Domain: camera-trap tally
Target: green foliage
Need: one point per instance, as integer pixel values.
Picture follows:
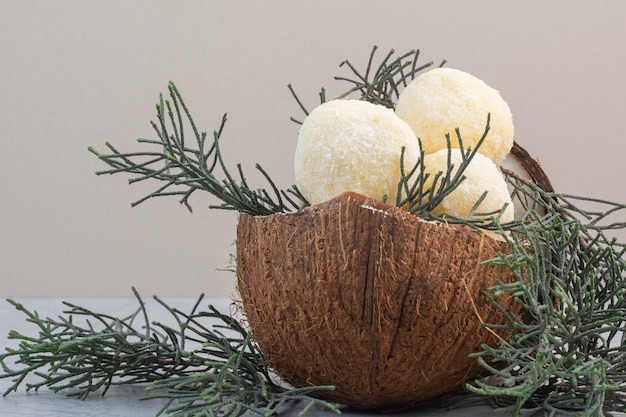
(184, 169)
(206, 366)
(380, 86)
(566, 351)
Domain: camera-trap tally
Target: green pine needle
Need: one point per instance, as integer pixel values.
(223, 374)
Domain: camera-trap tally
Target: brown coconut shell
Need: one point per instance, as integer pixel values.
(530, 167)
(363, 296)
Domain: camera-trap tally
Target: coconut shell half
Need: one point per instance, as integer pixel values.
(361, 295)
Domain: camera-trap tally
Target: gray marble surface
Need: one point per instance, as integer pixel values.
(124, 400)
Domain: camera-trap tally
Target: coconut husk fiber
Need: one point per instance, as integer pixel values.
(361, 295)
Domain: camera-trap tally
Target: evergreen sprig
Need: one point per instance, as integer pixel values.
(205, 366)
(381, 85)
(390, 76)
(184, 169)
(565, 354)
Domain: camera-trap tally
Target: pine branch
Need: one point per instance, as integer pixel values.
(225, 375)
(182, 170)
(380, 86)
(566, 351)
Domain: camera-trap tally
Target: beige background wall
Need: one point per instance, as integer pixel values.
(78, 73)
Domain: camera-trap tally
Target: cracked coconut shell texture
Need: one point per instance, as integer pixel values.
(366, 297)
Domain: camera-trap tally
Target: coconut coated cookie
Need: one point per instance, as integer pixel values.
(440, 100)
(352, 145)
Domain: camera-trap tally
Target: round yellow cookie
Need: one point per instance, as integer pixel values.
(440, 100)
(352, 145)
(481, 175)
